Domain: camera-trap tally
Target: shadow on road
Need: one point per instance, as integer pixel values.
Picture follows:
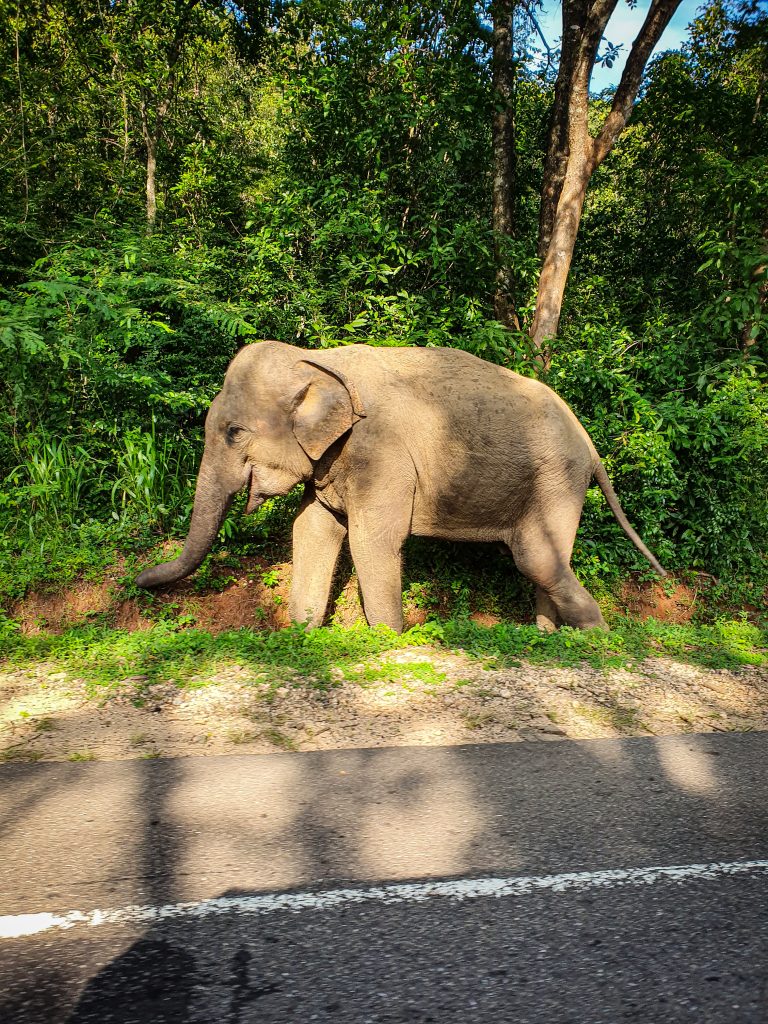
(193, 829)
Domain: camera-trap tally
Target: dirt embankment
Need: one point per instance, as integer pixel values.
(255, 595)
(413, 696)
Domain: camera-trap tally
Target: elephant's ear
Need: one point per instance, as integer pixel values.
(326, 407)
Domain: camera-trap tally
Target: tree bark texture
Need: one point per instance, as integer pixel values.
(556, 160)
(573, 154)
(504, 163)
(22, 123)
(150, 129)
(150, 144)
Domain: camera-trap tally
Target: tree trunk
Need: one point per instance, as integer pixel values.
(573, 154)
(150, 144)
(151, 185)
(504, 169)
(557, 262)
(151, 134)
(22, 122)
(556, 160)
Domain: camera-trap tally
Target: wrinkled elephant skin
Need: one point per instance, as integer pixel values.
(391, 442)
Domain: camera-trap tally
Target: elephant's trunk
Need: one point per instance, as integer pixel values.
(211, 505)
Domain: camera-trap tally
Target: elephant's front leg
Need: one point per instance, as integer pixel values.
(317, 539)
(376, 538)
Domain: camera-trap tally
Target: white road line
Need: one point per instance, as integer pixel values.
(14, 926)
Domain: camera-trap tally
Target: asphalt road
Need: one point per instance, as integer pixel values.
(552, 913)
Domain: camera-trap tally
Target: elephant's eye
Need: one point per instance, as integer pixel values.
(233, 433)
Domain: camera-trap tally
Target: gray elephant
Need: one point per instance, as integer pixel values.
(391, 442)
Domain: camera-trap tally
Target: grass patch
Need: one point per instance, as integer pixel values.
(477, 721)
(279, 739)
(113, 661)
(242, 736)
(55, 560)
(19, 754)
(724, 644)
(392, 672)
(617, 716)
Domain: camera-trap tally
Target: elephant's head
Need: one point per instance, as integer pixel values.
(276, 415)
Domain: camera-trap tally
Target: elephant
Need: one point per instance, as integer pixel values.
(391, 442)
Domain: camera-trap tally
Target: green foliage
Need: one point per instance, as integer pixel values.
(686, 447)
(450, 579)
(116, 662)
(55, 559)
(737, 252)
(50, 483)
(153, 479)
(326, 180)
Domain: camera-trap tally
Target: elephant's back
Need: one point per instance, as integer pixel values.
(467, 391)
(444, 373)
(484, 442)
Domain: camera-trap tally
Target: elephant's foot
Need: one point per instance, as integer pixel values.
(545, 624)
(547, 617)
(390, 617)
(305, 616)
(589, 617)
(568, 604)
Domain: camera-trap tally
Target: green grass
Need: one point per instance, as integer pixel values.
(55, 560)
(19, 753)
(420, 671)
(617, 716)
(279, 739)
(113, 661)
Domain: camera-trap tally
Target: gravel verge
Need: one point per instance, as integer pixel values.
(416, 696)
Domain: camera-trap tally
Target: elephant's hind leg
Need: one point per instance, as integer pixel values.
(547, 615)
(542, 547)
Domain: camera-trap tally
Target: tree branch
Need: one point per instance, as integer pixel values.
(595, 24)
(583, 27)
(539, 32)
(656, 20)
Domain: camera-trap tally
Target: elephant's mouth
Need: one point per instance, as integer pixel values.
(255, 498)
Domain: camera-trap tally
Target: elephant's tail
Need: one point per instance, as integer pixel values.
(610, 496)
